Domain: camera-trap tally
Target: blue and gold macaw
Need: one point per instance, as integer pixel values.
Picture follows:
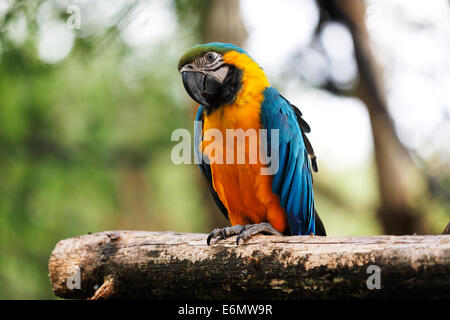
(234, 93)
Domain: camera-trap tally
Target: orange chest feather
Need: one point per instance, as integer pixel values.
(245, 193)
(240, 187)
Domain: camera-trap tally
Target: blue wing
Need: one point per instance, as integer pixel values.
(205, 168)
(293, 181)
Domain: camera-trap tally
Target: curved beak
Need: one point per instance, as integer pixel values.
(194, 83)
(203, 87)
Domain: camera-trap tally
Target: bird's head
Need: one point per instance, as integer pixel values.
(215, 73)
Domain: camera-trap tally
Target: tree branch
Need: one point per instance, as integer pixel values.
(170, 265)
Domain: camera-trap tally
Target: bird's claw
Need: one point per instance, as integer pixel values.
(243, 232)
(224, 233)
(250, 230)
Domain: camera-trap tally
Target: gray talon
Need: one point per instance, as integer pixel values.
(243, 232)
(224, 233)
(252, 229)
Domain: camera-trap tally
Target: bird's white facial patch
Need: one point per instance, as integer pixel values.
(210, 63)
(221, 73)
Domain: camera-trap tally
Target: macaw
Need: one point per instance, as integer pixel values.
(234, 93)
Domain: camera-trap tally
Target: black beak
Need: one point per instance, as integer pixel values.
(201, 87)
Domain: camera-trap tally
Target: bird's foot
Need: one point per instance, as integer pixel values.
(250, 230)
(224, 233)
(243, 232)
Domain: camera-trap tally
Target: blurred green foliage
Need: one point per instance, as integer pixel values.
(85, 147)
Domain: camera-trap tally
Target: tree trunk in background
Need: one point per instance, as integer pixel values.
(400, 183)
(222, 23)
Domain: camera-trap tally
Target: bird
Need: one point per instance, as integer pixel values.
(233, 93)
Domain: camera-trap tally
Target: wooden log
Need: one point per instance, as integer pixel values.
(171, 265)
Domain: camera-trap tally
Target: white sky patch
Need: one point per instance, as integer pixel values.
(107, 10)
(434, 12)
(276, 30)
(55, 41)
(17, 29)
(340, 127)
(418, 113)
(412, 42)
(337, 42)
(152, 21)
(4, 7)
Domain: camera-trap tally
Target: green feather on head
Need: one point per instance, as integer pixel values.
(201, 49)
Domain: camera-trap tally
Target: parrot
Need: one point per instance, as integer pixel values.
(233, 92)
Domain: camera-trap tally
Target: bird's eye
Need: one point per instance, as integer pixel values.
(210, 57)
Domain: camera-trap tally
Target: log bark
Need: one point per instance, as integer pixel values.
(170, 265)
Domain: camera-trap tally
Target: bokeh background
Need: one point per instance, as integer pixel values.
(87, 111)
